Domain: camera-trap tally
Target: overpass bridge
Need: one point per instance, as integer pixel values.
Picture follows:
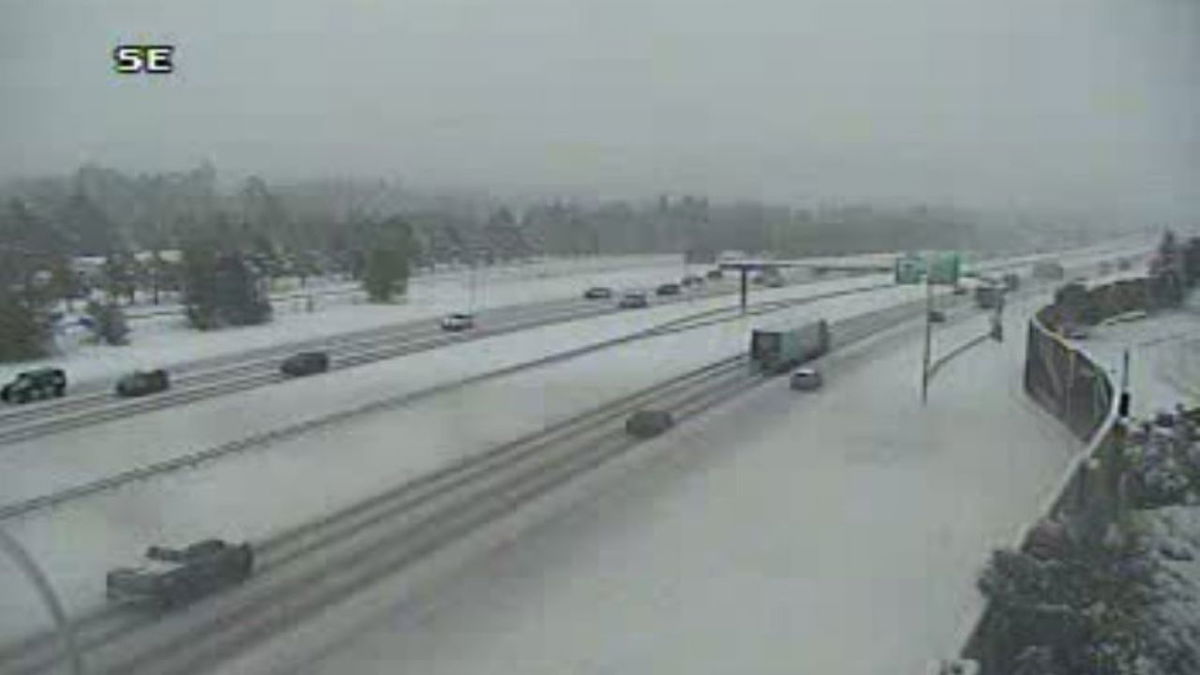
(872, 262)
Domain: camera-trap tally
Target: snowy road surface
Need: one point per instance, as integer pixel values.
(837, 532)
(165, 342)
(274, 486)
(1164, 357)
(41, 465)
(269, 488)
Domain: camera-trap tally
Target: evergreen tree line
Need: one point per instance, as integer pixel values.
(305, 228)
(218, 249)
(222, 273)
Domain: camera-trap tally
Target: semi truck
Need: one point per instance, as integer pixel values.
(989, 296)
(778, 350)
(910, 269)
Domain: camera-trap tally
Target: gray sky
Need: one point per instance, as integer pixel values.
(977, 102)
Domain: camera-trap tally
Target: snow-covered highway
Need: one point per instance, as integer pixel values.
(255, 494)
(838, 532)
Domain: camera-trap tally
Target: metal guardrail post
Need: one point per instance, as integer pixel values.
(45, 591)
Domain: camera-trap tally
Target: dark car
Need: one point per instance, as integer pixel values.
(35, 384)
(714, 275)
(960, 290)
(692, 280)
(668, 289)
(633, 300)
(143, 382)
(648, 423)
(305, 363)
(598, 293)
(172, 577)
(936, 316)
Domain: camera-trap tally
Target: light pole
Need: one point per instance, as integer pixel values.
(45, 591)
(928, 340)
(471, 286)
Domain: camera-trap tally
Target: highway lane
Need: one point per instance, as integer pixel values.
(225, 374)
(93, 402)
(915, 308)
(369, 539)
(220, 375)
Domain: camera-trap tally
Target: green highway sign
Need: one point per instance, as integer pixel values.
(944, 268)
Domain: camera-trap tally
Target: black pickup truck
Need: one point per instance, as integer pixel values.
(171, 577)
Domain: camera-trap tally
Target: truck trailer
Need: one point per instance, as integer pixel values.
(989, 296)
(1048, 269)
(909, 269)
(778, 350)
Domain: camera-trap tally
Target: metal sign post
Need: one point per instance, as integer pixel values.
(742, 272)
(942, 269)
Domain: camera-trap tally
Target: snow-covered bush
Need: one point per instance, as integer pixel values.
(1064, 607)
(1162, 462)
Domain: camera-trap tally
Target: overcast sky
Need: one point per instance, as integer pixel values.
(976, 102)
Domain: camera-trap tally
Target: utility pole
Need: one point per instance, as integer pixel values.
(471, 287)
(742, 272)
(928, 340)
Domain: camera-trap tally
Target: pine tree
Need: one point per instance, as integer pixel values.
(64, 284)
(120, 273)
(198, 273)
(108, 321)
(392, 247)
(23, 331)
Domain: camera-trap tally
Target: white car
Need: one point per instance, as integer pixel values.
(457, 322)
(805, 379)
(1075, 332)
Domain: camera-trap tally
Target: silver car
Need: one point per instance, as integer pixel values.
(458, 322)
(805, 379)
(633, 300)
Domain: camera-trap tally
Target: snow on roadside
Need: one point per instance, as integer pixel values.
(167, 340)
(1164, 357)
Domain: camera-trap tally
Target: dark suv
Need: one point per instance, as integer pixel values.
(143, 382)
(648, 423)
(305, 363)
(35, 384)
(598, 293)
